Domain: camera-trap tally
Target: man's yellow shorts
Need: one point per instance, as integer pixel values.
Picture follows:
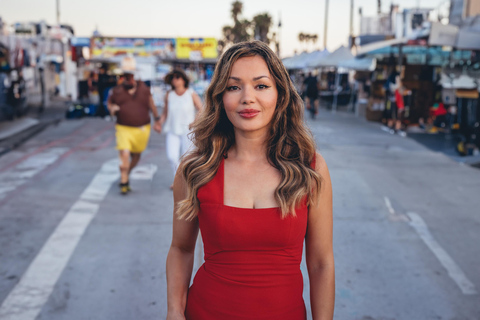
(134, 139)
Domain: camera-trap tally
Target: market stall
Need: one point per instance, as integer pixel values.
(363, 69)
(334, 82)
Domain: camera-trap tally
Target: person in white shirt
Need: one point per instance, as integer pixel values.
(181, 106)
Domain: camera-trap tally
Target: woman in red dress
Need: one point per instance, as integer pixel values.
(256, 189)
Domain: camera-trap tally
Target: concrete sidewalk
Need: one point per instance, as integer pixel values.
(446, 144)
(439, 142)
(14, 133)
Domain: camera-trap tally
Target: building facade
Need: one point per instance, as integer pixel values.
(463, 10)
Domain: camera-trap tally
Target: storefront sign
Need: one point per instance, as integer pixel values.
(145, 47)
(196, 48)
(80, 42)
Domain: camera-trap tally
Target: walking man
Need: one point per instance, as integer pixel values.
(131, 102)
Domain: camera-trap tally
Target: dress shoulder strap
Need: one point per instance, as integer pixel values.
(212, 191)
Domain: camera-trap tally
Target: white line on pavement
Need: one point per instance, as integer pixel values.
(454, 271)
(12, 179)
(27, 298)
(144, 172)
(389, 205)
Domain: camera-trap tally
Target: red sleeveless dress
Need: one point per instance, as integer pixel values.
(252, 261)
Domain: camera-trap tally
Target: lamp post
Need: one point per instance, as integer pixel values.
(351, 18)
(58, 12)
(326, 26)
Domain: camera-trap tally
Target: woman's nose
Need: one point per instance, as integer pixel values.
(248, 96)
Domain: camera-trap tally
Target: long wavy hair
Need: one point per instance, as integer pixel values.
(290, 145)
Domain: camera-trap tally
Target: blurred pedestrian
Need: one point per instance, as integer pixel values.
(131, 102)
(390, 109)
(256, 188)
(181, 106)
(397, 107)
(92, 83)
(17, 92)
(311, 94)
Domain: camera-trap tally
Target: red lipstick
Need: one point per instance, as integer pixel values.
(248, 113)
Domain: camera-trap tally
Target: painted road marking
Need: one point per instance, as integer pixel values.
(27, 298)
(389, 205)
(454, 271)
(144, 172)
(25, 170)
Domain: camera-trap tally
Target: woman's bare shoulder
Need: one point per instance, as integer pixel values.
(321, 165)
(179, 183)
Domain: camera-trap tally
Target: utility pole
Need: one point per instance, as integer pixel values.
(351, 18)
(326, 26)
(58, 12)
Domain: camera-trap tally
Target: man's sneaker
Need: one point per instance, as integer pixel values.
(125, 188)
(402, 133)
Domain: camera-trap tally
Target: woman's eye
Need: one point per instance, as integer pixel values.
(262, 86)
(232, 88)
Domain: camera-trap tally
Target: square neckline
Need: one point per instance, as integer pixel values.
(222, 179)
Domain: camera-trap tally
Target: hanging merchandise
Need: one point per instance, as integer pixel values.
(4, 58)
(448, 96)
(468, 120)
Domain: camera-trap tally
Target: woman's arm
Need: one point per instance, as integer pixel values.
(180, 256)
(197, 102)
(164, 115)
(319, 248)
(112, 107)
(157, 126)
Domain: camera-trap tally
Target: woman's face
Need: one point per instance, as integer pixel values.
(177, 81)
(251, 95)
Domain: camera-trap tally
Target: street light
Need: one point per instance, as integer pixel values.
(58, 12)
(326, 26)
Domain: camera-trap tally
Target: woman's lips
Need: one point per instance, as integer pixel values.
(248, 113)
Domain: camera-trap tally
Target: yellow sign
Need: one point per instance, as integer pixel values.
(196, 48)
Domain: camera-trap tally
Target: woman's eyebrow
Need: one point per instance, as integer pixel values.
(260, 77)
(254, 79)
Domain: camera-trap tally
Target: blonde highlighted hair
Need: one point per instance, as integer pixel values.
(290, 145)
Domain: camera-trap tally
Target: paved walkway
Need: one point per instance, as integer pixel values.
(15, 132)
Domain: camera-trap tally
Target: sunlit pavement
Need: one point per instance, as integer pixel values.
(406, 226)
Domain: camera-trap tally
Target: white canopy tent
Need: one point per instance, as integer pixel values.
(293, 62)
(303, 60)
(333, 59)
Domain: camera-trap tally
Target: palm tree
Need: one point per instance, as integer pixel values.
(314, 39)
(228, 34)
(262, 23)
(301, 38)
(237, 8)
(240, 31)
(308, 38)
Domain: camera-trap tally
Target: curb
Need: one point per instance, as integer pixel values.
(18, 139)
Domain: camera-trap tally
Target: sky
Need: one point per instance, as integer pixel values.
(201, 18)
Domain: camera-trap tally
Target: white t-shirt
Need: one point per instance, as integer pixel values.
(181, 112)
